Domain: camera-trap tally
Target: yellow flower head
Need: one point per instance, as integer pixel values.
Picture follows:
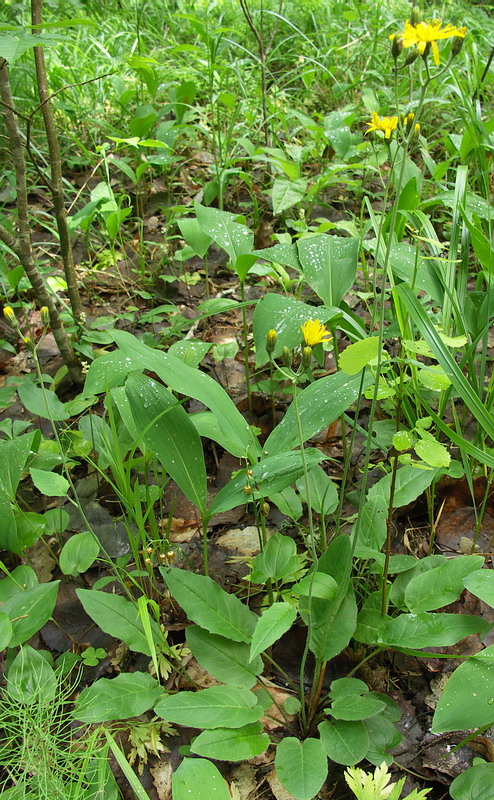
(385, 124)
(9, 314)
(314, 332)
(428, 33)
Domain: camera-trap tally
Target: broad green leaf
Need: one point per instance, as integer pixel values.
(418, 631)
(344, 742)
(119, 617)
(217, 707)
(79, 553)
(278, 560)
(127, 695)
(14, 44)
(190, 351)
(302, 767)
(286, 193)
(410, 266)
(168, 432)
(41, 403)
(355, 707)
(209, 426)
(481, 584)
(316, 584)
(272, 624)
(410, 482)
(31, 678)
(236, 239)
(398, 588)
(322, 491)
(383, 736)
(476, 782)
(346, 687)
(284, 254)
(433, 453)
(271, 475)
(21, 578)
(237, 744)
(194, 235)
(5, 631)
(468, 697)
(372, 524)
(329, 264)
(29, 610)
(330, 635)
(285, 315)
(227, 661)
(441, 585)
(50, 484)
(200, 779)
(208, 605)
(433, 377)
(319, 405)
(358, 355)
(14, 455)
(288, 502)
(111, 370)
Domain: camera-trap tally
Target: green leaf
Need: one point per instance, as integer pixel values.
(119, 617)
(5, 631)
(474, 783)
(41, 403)
(272, 624)
(329, 264)
(468, 697)
(441, 585)
(21, 578)
(217, 707)
(29, 610)
(302, 767)
(383, 736)
(322, 491)
(127, 695)
(319, 405)
(409, 484)
(194, 235)
(236, 239)
(416, 630)
(355, 707)
(481, 584)
(460, 382)
(286, 193)
(278, 560)
(271, 475)
(238, 744)
(79, 553)
(50, 484)
(168, 432)
(359, 354)
(14, 454)
(344, 742)
(111, 370)
(327, 638)
(227, 661)
(433, 377)
(208, 605)
(200, 779)
(31, 678)
(14, 45)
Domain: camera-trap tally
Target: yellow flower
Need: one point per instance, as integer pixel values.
(314, 332)
(9, 314)
(428, 33)
(385, 124)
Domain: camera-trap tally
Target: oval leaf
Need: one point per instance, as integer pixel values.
(227, 661)
(199, 779)
(273, 623)
(302, 767)
(225, 744)
(127, 695)
(220, 706)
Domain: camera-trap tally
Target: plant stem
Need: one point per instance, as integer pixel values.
(246, 345)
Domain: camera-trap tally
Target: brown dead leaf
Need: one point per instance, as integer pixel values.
(162, 779)
(278, 790)
(243, 783)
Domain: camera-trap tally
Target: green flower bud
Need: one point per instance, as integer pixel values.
(396, 46)
(271, 341)
(306, 357)
(45, 316)
(287, 357)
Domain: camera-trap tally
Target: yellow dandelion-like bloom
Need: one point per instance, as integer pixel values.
(385, 124)
(314, 332)
(424, 33)
(9, 314)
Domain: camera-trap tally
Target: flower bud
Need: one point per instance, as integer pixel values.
(271, 341)
(265, 509)
(396, 46)
(416, 131)
(9, 315)
(45, 316)
(426, 51)
(247, 489)
(408, 122)
(170, 556)
(412, 56)
(457, 45)
(28, 342)
(415, 16)
(306, 357)
(286, 356)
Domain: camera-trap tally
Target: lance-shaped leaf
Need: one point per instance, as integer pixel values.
(329, 264)
(167, 431)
